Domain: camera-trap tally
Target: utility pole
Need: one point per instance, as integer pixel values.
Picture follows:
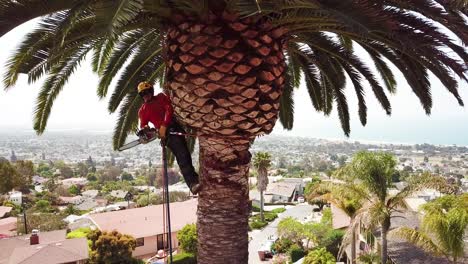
(24, 217)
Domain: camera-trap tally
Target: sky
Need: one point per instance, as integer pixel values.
(78, 108)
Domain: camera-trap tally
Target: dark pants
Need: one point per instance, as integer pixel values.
(178, 147)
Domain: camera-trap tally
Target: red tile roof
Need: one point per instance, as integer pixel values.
(8, 226)
(147, 221)
(53, 247)
(4, 210)
(339, 218)
(66, 251)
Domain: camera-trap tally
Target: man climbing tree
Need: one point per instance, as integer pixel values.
(158, 111)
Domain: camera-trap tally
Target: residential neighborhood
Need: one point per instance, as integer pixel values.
(115, 194)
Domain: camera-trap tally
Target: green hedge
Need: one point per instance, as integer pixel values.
(184, 258)
(278, 210)
(257, 224)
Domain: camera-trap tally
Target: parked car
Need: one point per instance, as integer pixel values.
(300, 199)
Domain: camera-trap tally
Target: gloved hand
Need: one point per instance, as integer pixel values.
(162, 132)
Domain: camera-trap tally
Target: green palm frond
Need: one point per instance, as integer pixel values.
(53, 85)
(286, 111)
(128, 119)
(111, 15)
(146, 61)
(15, 13)
(125, 47)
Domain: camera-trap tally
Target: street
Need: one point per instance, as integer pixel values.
(260, 236)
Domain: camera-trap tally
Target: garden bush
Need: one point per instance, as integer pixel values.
(257, 224)
(282, 245)
(278, 210)
(296, 253)
(184, 258)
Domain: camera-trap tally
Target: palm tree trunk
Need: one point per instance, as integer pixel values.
(223, 207)
(262, 217)
(353, 245)
(384, 253)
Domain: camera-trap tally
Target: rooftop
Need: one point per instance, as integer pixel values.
(146, 221)
(18, 250)
(4, 210)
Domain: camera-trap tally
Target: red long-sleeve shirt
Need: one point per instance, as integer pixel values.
(158, 111)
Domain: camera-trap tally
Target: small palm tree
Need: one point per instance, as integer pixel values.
(373, 174)
(443, 227)
(348, 198)
(262, 162)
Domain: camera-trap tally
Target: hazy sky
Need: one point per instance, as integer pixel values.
(77, 107)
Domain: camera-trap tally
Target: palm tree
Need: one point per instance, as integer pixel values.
(348, 198)
(443, 227)
(372, 174)
(230, 68)
(262, 162)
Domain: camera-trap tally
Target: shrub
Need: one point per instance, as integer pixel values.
(282, 245)
(188, 239)
(319, 256)
(296, 253)
(184, 258)
(255, 208)
(269, 216)
(257, 224)
(280, 259)
(78, 233)
(278, 210)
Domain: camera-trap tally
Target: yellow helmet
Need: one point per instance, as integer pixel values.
(144, 86)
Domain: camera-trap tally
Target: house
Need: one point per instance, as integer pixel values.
(8, 227)
(74, 181)
(38, 180)
(300, 185)
(15, 197)
(90, 193)
(45, 247)
(5, 211)
(282, 192)
(78, 199)
(119, 194)
(145, 224)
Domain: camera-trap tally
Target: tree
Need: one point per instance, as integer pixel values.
(348, 202)
(82, 169)
(74, 190)
(126, 176)
(373, 171)
(43, 206)
(187, 237)
(230, 68)
(443, 227)
(26, 169)
(71, 210)
(109, 173)
(291, 229)
(9, 177)
(111, 247)
(319, 256)
(262, 162)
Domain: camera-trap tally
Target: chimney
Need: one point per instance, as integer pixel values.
(34, 239)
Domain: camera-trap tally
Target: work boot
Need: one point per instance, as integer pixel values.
(195, 188)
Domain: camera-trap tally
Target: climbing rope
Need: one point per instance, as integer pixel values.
(166, 205)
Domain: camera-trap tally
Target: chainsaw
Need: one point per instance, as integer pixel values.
(145, 135)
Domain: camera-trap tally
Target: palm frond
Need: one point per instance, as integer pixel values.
(418, 239)
(128, 119)
(286, 111)
(53, 85)
(15, 13)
